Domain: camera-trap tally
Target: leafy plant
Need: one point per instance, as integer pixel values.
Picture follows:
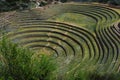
(43, 67)
(17, 63)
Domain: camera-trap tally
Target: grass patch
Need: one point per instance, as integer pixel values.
(76, 19)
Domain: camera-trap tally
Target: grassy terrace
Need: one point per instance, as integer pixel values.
(79, 36)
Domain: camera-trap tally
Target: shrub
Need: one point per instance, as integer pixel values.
(16, 60)
(43, 67)
(17, 63)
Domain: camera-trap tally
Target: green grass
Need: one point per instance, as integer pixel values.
(76, 19)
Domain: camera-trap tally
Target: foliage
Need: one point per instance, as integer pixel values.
(16, 60)
(9, 5)
(42, 67)
(17, 63)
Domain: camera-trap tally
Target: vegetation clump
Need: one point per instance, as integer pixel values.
(17, 63)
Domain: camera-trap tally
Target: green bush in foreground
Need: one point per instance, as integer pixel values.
(17, 63)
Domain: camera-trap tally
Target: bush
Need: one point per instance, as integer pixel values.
(17, 60)
(42, 67)
(17, 63)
